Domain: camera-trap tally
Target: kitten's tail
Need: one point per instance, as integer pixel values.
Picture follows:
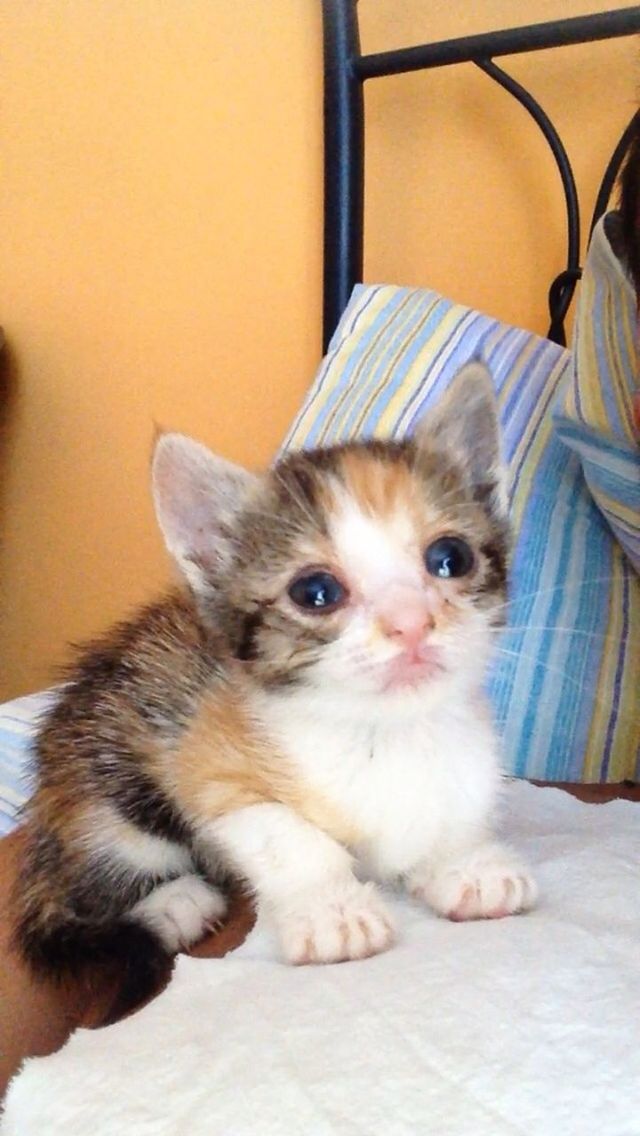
(60, 946)
(125, 953)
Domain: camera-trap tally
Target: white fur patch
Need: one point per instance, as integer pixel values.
(487, 883)
(321, 912)
(416, 776)
(335, 924)
(181, 911)
(278, 852)
(131, 848)
(374, 551)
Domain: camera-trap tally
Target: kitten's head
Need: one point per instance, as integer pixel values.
(371, 568)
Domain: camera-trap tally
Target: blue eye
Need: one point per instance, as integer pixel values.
(448, 558)
(319, 591)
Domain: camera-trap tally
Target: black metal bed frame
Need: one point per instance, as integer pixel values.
(345, 71)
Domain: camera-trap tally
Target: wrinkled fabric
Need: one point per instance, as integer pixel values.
(528, 1025)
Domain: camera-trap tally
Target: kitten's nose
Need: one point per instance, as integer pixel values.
(405, 615)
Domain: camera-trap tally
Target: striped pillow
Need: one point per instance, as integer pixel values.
(597, 416)
(565, 680)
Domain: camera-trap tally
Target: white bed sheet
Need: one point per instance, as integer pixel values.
(523, 1026)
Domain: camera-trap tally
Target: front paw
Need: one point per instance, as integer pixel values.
(487, 883)
(335, 925)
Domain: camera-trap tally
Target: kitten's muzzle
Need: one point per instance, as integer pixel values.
(413, 668)
(406, 615)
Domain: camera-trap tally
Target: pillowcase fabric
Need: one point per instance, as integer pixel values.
(596, 417)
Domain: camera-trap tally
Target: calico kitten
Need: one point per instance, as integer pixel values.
(306, 716)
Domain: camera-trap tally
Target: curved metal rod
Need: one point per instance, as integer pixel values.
(612, 171)
(563, 288)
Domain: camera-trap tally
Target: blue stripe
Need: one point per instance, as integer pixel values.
(545, 641)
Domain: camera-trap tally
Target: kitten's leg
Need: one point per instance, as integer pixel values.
(487, 881)
(180, 911)
(304, 881)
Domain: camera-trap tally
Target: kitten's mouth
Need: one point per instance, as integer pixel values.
(413, 668)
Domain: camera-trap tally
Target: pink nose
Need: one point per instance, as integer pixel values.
(405, 615)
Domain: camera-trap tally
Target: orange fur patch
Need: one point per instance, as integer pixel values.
(380, 488)
(223, 764)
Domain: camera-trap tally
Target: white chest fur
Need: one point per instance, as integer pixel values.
(414, 783)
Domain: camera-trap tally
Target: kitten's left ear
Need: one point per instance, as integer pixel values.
(197, 498)
(465, 422)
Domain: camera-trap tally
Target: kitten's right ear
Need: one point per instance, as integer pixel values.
(197, 498)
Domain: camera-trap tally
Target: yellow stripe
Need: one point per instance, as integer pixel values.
(335, 366)
(624, 515)
(593, 407)
(627, 735)
(601, 711)
(622, 388)
(335, 422)
(406, 390)
(408, 379)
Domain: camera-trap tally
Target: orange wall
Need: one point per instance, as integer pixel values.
(160, 198)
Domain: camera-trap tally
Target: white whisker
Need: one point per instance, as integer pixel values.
(598, 698)
(556, 627)
(565, 587)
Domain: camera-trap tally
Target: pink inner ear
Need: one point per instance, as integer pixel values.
(197, 496)
(187, 497)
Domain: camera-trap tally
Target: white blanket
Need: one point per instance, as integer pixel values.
(522, 1026)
